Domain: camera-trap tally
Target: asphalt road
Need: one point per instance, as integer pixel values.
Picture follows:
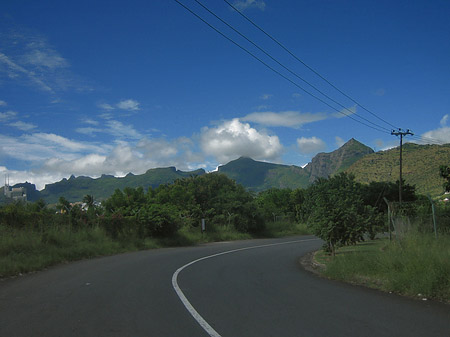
(251, 288)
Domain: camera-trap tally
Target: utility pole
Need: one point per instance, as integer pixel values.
(401, 133)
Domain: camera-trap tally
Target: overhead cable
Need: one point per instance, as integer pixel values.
(306, 65)
(378, 128)
(288, 69)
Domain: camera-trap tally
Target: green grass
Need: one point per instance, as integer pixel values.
(285, 228)
(23, 250)
(26, 250)
(418, 265)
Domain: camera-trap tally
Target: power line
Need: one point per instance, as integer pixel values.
(288, 69)
(306, 65)
(276, 71)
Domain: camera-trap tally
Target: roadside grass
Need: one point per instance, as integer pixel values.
(418, 265)
(24, 250)
(284, 228)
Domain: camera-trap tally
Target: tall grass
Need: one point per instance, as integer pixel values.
(417, 265)
(24, 250)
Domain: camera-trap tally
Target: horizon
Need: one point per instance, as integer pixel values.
(105, 88)
(72, 176)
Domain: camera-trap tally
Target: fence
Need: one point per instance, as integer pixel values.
(424, 216)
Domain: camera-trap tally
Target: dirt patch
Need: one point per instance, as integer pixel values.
(309, 263)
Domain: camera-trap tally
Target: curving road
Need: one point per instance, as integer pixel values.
(245, 288)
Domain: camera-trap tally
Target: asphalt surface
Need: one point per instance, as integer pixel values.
(252, 292)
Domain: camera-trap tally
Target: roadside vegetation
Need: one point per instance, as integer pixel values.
(413, 260)
(34, 236)
(345, 214)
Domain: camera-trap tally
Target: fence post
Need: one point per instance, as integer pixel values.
(389, 218)
(434, 215)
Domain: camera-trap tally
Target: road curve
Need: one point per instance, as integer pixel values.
(236, 290)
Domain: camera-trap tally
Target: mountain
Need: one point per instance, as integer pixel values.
(74, 189)
(258, 176)
(420, 166)
(324, 165)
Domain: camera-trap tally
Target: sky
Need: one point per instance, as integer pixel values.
(111, 87)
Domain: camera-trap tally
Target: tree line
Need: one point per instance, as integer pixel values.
(338, 209)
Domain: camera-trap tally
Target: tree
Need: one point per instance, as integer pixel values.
(444, 172)
(336, 212)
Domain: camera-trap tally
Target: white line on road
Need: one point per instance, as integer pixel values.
(203, 323)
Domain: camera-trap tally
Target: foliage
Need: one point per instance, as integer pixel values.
(336, 212)
(421, 165)
(419, 265)
(444, 172)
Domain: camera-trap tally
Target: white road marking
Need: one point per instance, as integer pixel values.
(203, 323)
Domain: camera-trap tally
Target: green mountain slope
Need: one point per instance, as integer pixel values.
(74, 189)
(420, 166)
(258, 176)
(324, 165)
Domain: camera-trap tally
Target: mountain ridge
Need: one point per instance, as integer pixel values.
(421, 168)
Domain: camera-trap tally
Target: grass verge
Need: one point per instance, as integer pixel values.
(25, 250)
(418, 265)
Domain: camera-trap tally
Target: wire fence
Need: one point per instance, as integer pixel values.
(423, 216)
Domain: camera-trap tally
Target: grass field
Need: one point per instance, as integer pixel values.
(418, 265)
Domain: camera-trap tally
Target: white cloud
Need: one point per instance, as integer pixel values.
(114, 128)
(310, 145)
(345, 112)
(14, 71)
(5, 116)
(3, 103)
(23, 126)
(45, 57)
(339, 141)
(444, 120)
(233, 139)
(439, 135)
(121, 130)
(106, 106)
(129, 104)
(292, 119)
(242, 5)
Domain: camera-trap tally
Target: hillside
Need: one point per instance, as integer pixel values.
(420, 166)
(258, 176)
(324, 165)
(74, 189)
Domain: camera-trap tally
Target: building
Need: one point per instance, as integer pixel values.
(15, 193)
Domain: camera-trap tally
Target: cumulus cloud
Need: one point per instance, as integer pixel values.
(439, 135)
(233, 139)
(310, 145)
(292, 119)
(444, 120)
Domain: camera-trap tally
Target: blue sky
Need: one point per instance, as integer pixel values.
(93, 87)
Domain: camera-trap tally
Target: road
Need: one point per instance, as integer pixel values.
(244, 288)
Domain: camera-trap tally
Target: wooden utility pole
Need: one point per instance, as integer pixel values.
(401, 134)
